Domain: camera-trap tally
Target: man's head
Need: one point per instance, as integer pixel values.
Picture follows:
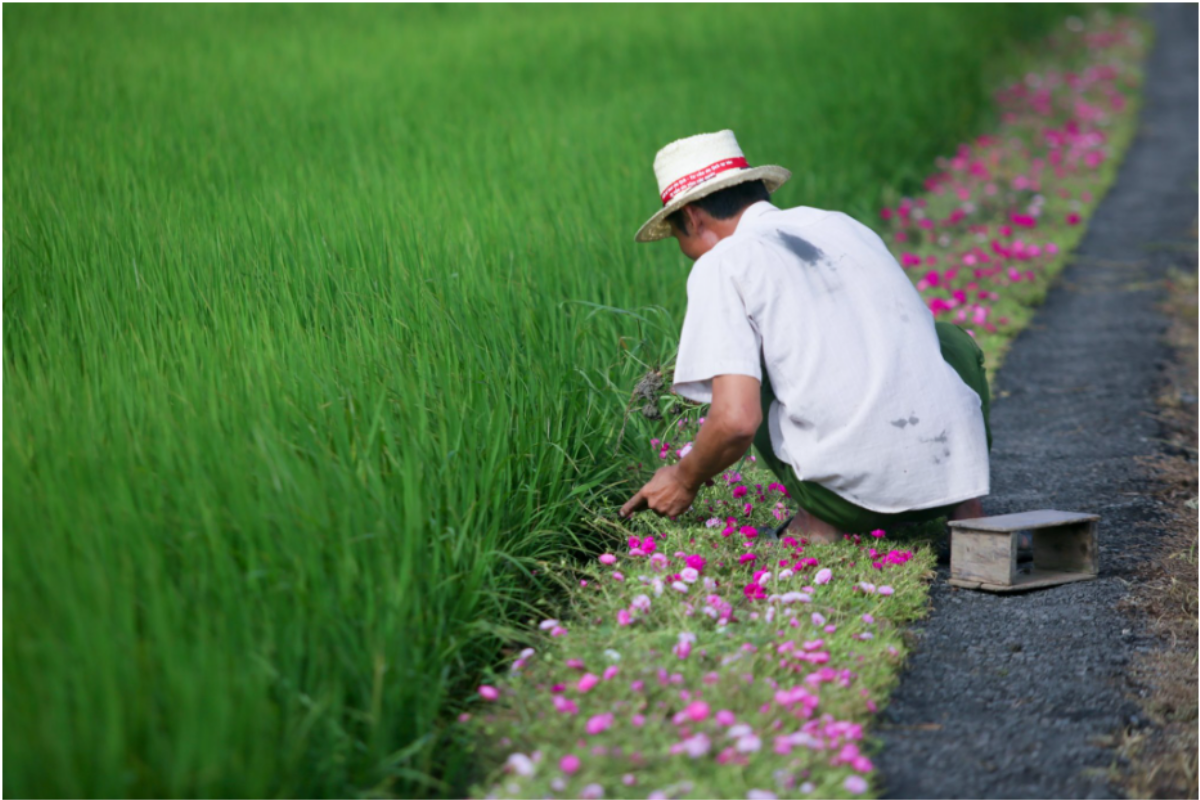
(700, 224)
(705, 182)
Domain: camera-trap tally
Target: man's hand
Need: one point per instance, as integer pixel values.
(666, 494)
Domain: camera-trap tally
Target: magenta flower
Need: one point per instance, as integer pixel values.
(745, 558)
(564, 706)
(696, 562)
(599, 724)
(624, 617)
(739, 492)
(697, 711)
(569, 763)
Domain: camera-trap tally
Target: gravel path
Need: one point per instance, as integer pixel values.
(1019, 696)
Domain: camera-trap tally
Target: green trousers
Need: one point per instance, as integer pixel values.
(960, 351)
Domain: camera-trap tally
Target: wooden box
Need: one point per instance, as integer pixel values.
(983, 551)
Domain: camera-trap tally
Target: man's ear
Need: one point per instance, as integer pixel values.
(695, 219)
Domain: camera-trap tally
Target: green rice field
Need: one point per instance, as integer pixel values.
(319, 327)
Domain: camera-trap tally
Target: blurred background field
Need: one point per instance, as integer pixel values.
(305, 359)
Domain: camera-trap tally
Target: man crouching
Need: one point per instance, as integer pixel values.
(809, 341)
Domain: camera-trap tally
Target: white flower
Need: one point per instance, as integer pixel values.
(739, 730)
(679, 586)
(526, 653)
(612, 655)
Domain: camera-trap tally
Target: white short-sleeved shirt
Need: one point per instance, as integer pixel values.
(865, 404)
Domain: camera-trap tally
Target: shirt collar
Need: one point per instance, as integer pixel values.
(755, 211)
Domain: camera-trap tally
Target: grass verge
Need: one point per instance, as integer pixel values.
(774, 691)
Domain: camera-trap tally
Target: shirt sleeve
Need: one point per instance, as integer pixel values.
(718, 335)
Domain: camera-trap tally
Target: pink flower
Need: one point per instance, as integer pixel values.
(575, 663)
(1073, 219)
(879, 534)
(696, 562)
(564, 706)
(623, 617)
(885, 590)
(648, 544)
(611, 672)
(587, 682)
(748, 531)
(637, 720)
(658, 562)
(618, 576)
(725, 717)
(679, 586)
(569, 763)
(558, 630)
(746, 558)
(823, 576)
(689, 575)
(593, 791)
(599, 724)
(682, 649)
(697, 711)
(739, 492)
(488, 692)
(608, 558)
(640, 603)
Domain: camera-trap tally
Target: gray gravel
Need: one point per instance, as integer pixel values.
(1020, 696)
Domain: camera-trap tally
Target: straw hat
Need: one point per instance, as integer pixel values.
(691, 168)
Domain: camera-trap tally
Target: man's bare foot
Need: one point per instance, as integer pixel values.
(817, 531)
(967, 509)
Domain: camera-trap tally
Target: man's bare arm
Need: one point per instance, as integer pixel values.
(727, 432)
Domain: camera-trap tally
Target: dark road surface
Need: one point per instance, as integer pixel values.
(1013, 696)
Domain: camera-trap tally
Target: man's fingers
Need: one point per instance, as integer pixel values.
(635, 504)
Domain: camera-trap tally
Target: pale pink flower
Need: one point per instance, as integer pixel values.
(618, 576)
(855, 784)
(558, 630)
(885, 590)
(520, 764)
(608, 558)
(623, 617)
(640, 603)
(593, 791)
(547, 624)
(569, 763)
(725, 717)
(760, 794)
(488, 692)
(658, 562)
(697, 746)
(611, 673)
(683, 649)
(564, 706)
(689, 575)
(823, 576)
(748, 744)
(637, 720)
(587, 682)
(679, 586)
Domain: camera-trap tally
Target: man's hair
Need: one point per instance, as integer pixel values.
(725, 203)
